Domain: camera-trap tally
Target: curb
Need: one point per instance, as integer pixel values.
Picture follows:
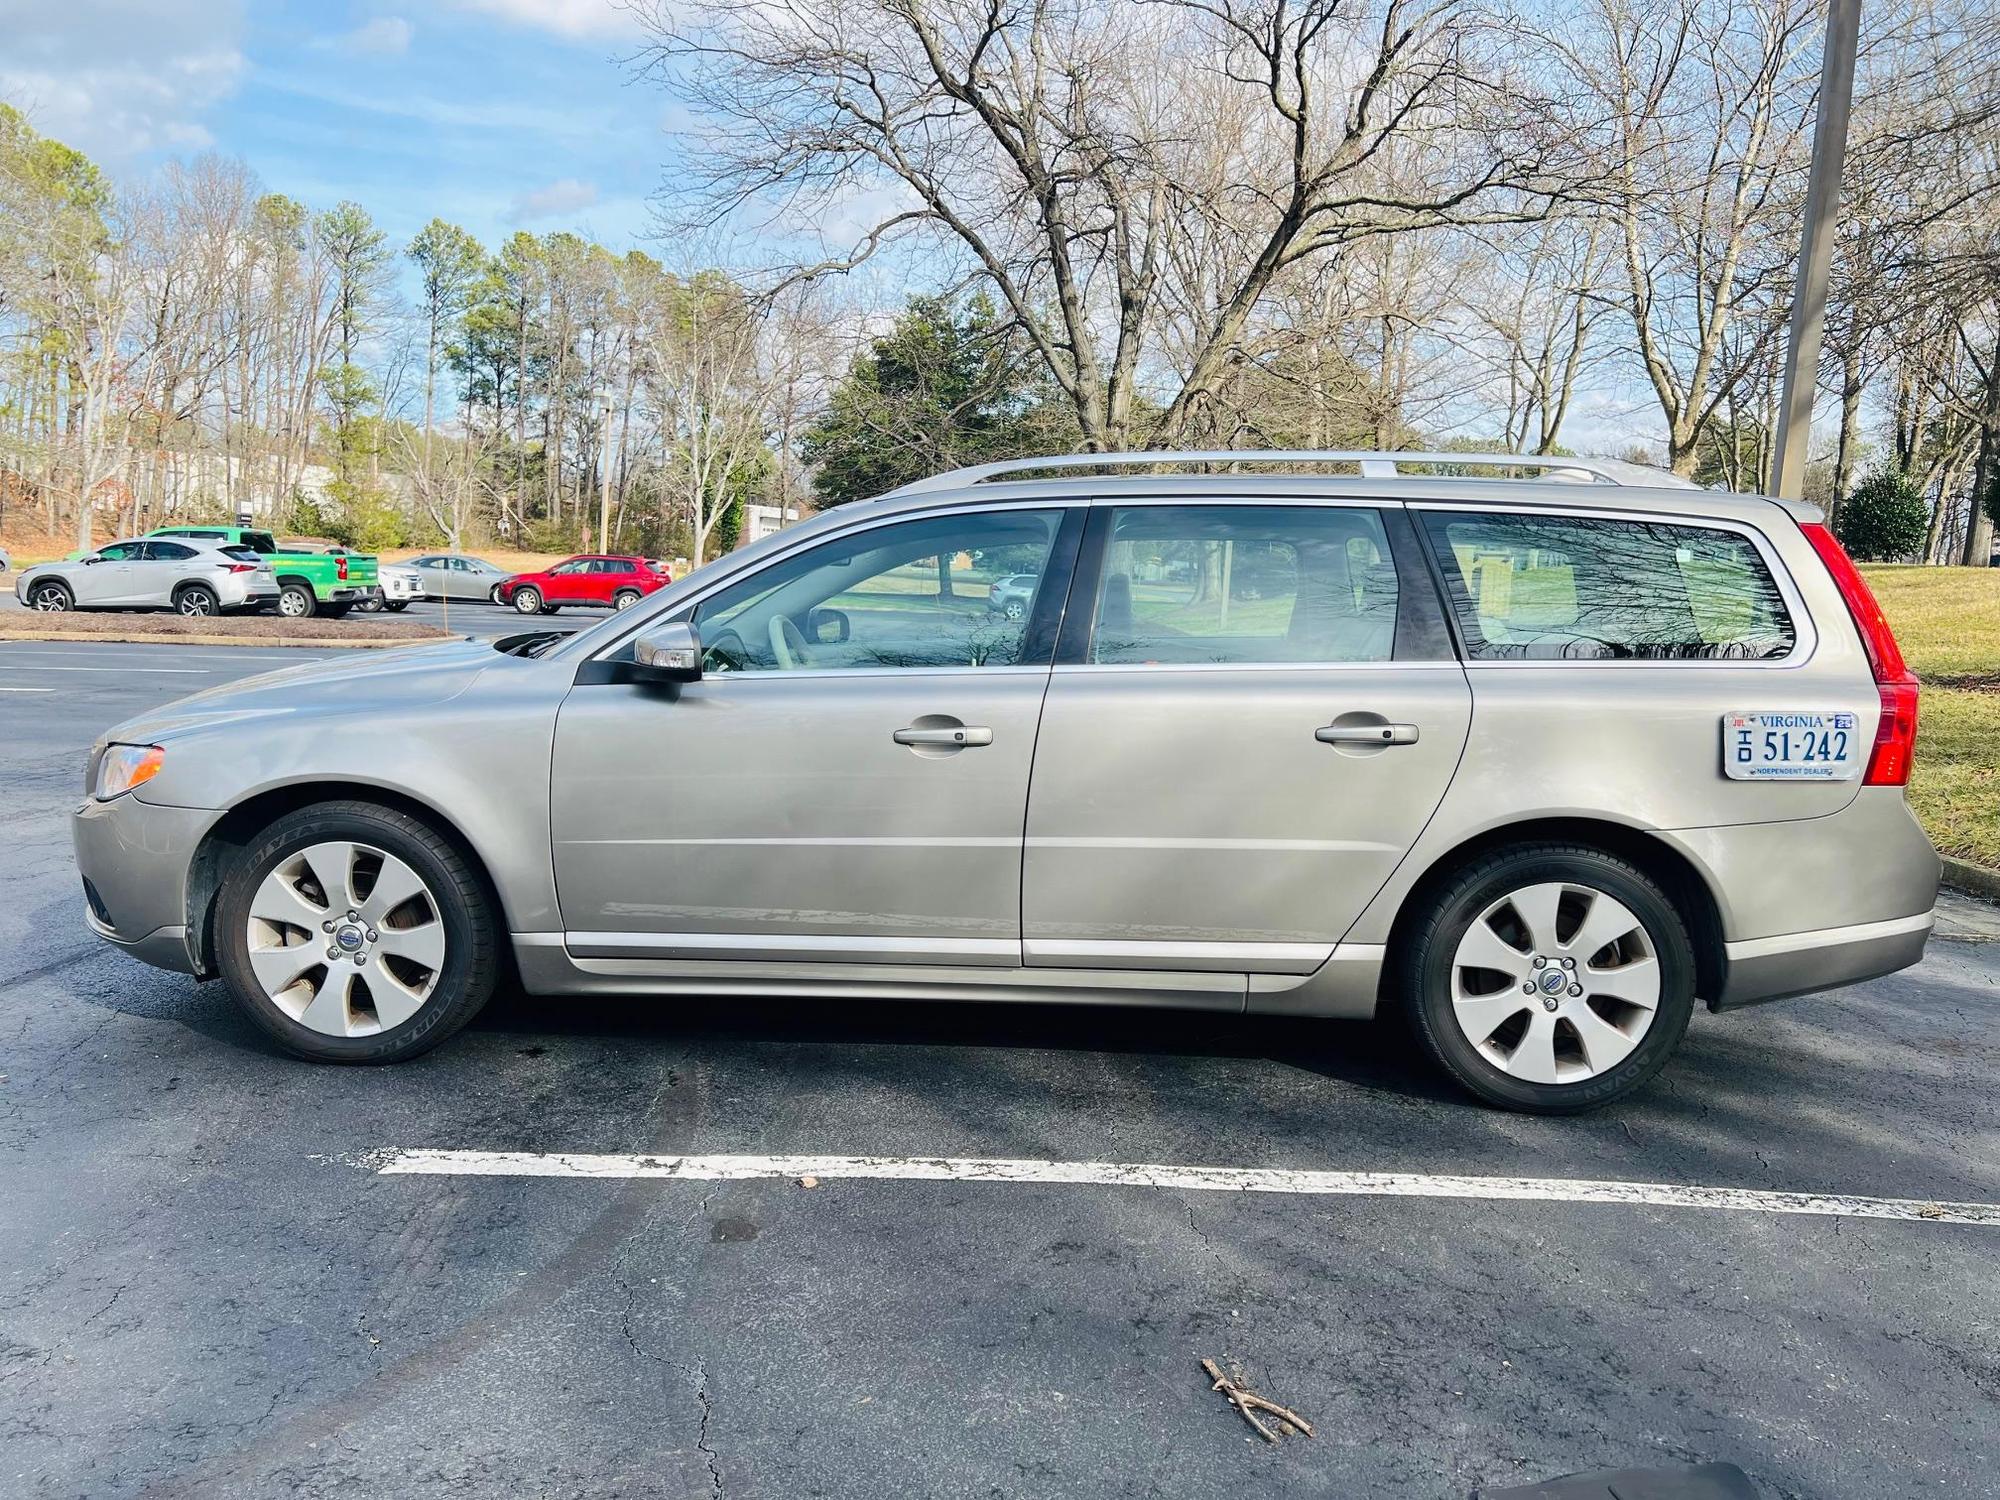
(141, 638)
(1974, 880)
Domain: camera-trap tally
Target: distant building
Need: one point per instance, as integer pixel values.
(759, 521)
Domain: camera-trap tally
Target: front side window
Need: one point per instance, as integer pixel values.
(1569, 588)
(1184, 585)
(574, 565)
(122, 552)
(915, 594)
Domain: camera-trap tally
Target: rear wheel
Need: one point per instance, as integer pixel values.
(396, 606)
(51, 598)
(624, 598)
(355, 933)
(335, 611)
(296, 600)
(1549, 978)
(196, 599)
(528, 600)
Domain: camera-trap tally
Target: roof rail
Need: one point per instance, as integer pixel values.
(1373, 465)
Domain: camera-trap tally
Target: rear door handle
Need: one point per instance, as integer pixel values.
(962, 736)
(1367, 734)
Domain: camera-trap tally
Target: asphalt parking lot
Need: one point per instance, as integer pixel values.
(210, 1286)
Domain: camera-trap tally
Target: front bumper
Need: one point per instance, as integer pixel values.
(398, 590)
(134, 857)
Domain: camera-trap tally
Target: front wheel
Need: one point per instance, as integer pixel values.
(51, 598)
(528, 601)
(1549, 978)
(355, 933)
(396, 606)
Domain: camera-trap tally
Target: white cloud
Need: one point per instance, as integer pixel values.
(117, 78)
(579, 19)
(565, 196)
(385, 36)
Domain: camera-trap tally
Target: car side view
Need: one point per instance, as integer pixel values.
(619, 582)
(189, 577)
(1534, 763)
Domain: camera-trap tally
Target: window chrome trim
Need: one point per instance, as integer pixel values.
(1260, 666)
(1805, 631)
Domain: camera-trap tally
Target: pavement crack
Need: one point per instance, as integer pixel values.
(698, 1375)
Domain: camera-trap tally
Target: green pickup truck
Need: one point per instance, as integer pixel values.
(309, 583)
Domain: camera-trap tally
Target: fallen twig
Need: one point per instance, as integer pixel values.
(1244, 1401)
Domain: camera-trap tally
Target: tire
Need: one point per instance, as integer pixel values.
(528, 600)
(493, 595)
(384, 1007)
(296, 600)
(371, 605)
(51, 597)
(196, 599)
(396, 606)
(624, 598)
(1563, 1048)
(335, 611)
(1016, 610)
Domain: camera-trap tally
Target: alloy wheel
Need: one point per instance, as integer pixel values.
(1555, 983)
(50, 599)
(346, 939)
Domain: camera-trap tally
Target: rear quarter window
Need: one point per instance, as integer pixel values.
(1572, 588)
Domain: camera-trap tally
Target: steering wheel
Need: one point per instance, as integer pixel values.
(788, 644)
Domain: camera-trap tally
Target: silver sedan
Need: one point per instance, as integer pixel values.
(453, 575)
(187, 575)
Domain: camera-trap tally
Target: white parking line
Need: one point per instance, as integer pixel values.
(1200, 1179)
(26, 690)
(173, 671)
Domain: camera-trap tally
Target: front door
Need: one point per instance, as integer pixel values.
(113, 578)
(1255, 714)
(848, 780)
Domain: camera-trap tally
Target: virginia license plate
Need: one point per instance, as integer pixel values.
(1791, 747)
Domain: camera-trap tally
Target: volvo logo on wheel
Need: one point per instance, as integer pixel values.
(1554, 981)
(348, 938)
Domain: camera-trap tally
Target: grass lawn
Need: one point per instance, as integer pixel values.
(1947, 621)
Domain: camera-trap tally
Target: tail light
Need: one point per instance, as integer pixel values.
(340, 569)
(1896, 732)
(237, 567)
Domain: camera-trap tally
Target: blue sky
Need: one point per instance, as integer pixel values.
(495, 114)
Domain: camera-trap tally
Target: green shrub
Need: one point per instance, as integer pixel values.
(1885, 519)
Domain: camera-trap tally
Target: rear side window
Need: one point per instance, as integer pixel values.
(168, 552)
(1229, 583)
(1571, 588)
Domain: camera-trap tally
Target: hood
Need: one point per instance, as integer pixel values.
(361, 682)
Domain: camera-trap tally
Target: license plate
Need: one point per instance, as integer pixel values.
(1791, 747)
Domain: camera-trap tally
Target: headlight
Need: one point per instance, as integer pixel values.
(125, 767)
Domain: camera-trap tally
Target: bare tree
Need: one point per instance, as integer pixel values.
(1076, 151)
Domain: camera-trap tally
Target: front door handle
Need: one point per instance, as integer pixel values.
(952, 737)
(1367, 734)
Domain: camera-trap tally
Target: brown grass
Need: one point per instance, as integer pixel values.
(213, 630)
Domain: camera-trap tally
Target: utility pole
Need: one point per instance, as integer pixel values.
(604, 479)
(1836, 97)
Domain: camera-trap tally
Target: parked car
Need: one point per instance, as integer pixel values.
(1533, 764)
(453, 575)
(312, 579)
(188, 577)
(1012, 596)
(6, 559)
(619, 582)
(397, 587)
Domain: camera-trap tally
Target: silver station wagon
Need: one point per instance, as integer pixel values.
(1535, 763)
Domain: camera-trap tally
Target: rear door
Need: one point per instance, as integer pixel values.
(1255, 711)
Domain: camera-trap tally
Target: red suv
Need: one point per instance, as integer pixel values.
(615, 581)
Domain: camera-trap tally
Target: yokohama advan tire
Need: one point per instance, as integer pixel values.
(1548, 978)
(355, 933)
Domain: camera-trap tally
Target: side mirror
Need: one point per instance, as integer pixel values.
(827, 626)
(91, 560)
(668, 653)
